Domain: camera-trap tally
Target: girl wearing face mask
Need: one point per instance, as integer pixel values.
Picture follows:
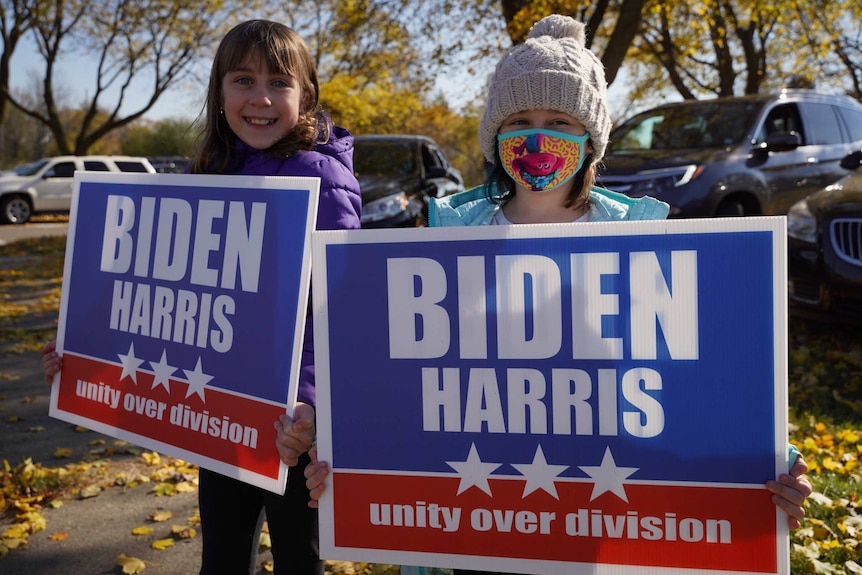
(544, 130)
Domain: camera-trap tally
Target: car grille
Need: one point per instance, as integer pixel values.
(847, 239)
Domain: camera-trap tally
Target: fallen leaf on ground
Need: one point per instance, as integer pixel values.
(130, 565)
(160, 544)
(160, 516)
(142, 530)
(59, 536)
(13, 543)
(185, 487)
(265, 541)
(151, 457)
(164, 490)
(17, 531)
(62, 452)
(184, 531)
(90, 491)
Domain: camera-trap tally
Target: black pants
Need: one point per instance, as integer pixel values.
(230, 510)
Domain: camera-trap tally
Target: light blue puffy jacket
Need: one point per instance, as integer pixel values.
(473, 208)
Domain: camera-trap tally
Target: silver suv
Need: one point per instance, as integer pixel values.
(749, 155)
(45, 186)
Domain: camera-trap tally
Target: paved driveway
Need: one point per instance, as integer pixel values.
(9, 233)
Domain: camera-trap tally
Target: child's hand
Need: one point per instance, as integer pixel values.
(315, 474)
(295, 436)
(51, 361)
(790, 492)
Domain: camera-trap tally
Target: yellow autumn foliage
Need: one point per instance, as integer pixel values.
(162, 544)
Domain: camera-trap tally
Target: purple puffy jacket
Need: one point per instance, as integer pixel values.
(339, 206)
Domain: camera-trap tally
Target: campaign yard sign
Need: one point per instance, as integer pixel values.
(183, 311)
(554, 399)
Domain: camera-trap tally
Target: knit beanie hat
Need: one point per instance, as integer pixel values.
(551, 70)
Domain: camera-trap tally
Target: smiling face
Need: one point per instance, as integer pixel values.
(260, 106)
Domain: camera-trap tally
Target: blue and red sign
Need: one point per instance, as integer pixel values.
(554, 399)
(183, 312)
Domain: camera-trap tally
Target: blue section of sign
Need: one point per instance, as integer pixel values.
(216, 313)
(718, 417)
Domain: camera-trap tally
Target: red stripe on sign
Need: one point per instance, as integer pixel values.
(234, 430)
(663, 526)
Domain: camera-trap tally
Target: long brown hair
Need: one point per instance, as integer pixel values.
(284, 52)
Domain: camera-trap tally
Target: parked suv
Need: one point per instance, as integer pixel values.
(46, 185)
(737, 156)
(397, 174)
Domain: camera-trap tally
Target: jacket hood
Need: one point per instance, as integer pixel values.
(472, 207)
(339, 146)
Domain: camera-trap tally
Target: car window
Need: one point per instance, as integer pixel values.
(384, 158)
(821, 124)
(30, 169)
(853, 120)
(96, 166)
(431, 157)
(130, 166)
(61, 170)
(441, 159)
(706, 124)
(782, 119)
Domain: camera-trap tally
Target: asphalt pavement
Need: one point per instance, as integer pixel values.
(32, 230)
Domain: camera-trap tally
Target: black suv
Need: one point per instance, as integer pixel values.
(824, 248)
(748, 155)
(397, 174)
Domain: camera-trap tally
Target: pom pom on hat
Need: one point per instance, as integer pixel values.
(558, 26)
(551, 70)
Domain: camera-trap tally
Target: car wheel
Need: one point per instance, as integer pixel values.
(730, 208)
(15, 210)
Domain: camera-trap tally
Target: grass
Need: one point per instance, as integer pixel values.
(825, 392)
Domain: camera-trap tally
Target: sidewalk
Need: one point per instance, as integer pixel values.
(97, 529)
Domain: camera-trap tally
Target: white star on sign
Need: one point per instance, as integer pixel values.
(162, 372)
(130, 364)
(473, 472)
(540, 474)
(197, 381)
(609, 477)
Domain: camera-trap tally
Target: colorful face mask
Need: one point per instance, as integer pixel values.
(541, 160)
